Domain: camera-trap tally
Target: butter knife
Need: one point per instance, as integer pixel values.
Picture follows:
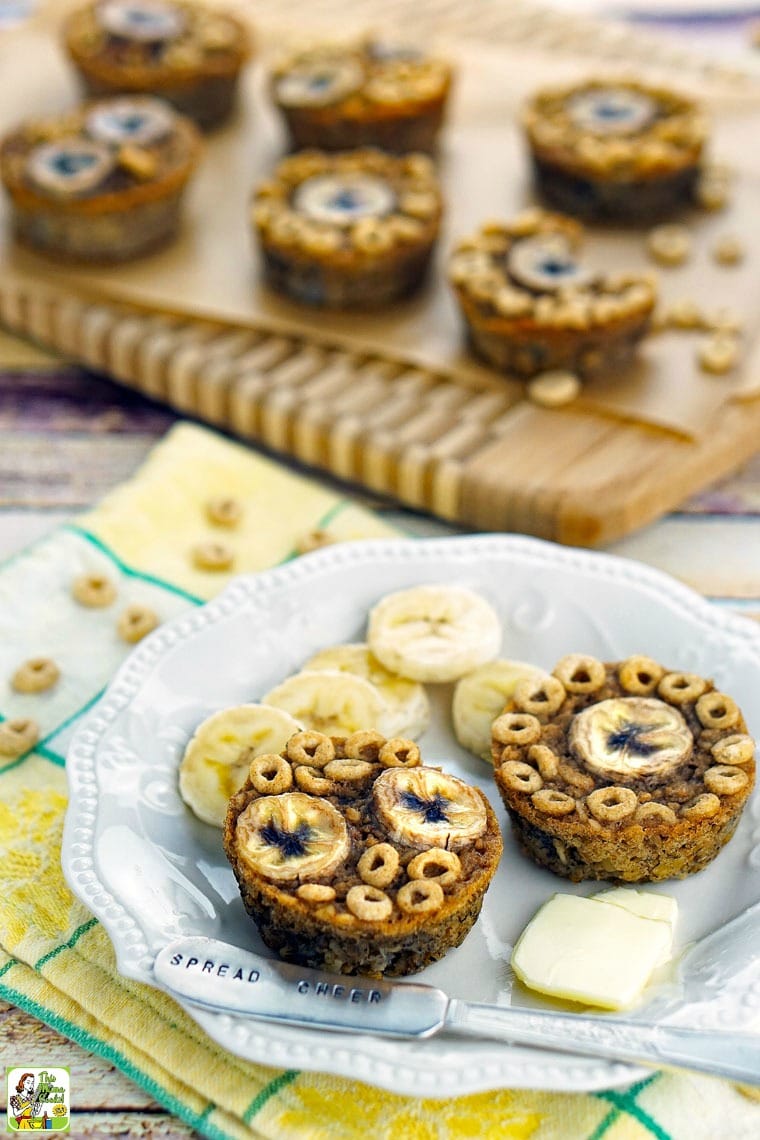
(215, 976)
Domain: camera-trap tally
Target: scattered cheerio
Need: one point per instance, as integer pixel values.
(554, 389)
(591, 951)
(670, 244)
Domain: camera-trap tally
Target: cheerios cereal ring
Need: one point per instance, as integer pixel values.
(136, 623)
(580, 673)
(640, 675)
(316, 892)
(545, 760)
(420, 896)
(18, 735)
(311, 780)
(653, 810)
(725, 780)
(516, 728)
(737, 749)
(348, 771)
(609, 805)
(35, 675)
(379, 865)
(399, 753)
(93, 590)
(439, 865)
(551, 801)
(224, 510)
(716, 710)
(311, 748)
(520, 777)
(270, 774)
(703, 807)
(214, 556)
(364, 744)
(681, 688)
(369, 903)
(544, 697)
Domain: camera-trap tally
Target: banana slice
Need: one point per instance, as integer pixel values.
(217, 758)
(422, 807)
(408, 712)
(70, 167)
(141, 21)
(479, 698)
(331, 702)
(292, 836)
(630, 737)
(140, 119)
(434, 633)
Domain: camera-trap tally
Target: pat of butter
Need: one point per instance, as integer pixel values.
(590, 951)
(646, 904)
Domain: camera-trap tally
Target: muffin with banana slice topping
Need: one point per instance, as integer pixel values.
(622, 771)
(352, 856)
(348, 230)
(531, 304)
(615, 149)
(365, 93)
(189, 54)
(103, 183)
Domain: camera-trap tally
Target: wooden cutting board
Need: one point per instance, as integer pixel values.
(488, 460)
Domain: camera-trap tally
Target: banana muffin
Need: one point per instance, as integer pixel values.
(188, 54)
(103, 183)
(531, 305)
(622, 771)
(366, 93)
(348, 230)
(615, 149)
(353, 857)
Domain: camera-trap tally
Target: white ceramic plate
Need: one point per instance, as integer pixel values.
(151, 872)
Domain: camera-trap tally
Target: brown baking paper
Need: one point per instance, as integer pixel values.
(213, 271)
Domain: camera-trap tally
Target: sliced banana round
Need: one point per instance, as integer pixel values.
(545, 263)
(140, 120)
(217, 758)
(408, 711)
(611, 110)
(422, 807)
(631, 737)
(342, 199)
(480, 696)
(144, 21)
(331, 702)
(434, 633)
(70, 167)
(319, 83)
(292, 836)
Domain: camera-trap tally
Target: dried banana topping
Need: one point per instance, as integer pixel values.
(292, 836)
(319, 83)
(145, 21)
(342, 200)
(631, 737)
(69, 168)
(422, 807)
(611, 110)
(141, 120)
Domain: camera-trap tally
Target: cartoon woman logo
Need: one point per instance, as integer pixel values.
(26, 1106)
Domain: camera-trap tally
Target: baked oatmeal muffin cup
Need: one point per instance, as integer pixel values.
(622, 771)
(188, 54)
(353, 857)
(348, 230)
(366, 93)
(615, 149)
(101, 184)
(531, 305)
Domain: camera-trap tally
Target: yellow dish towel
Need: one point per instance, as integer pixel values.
(56, 961)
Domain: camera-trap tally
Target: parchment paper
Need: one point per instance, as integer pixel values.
(212, 270)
